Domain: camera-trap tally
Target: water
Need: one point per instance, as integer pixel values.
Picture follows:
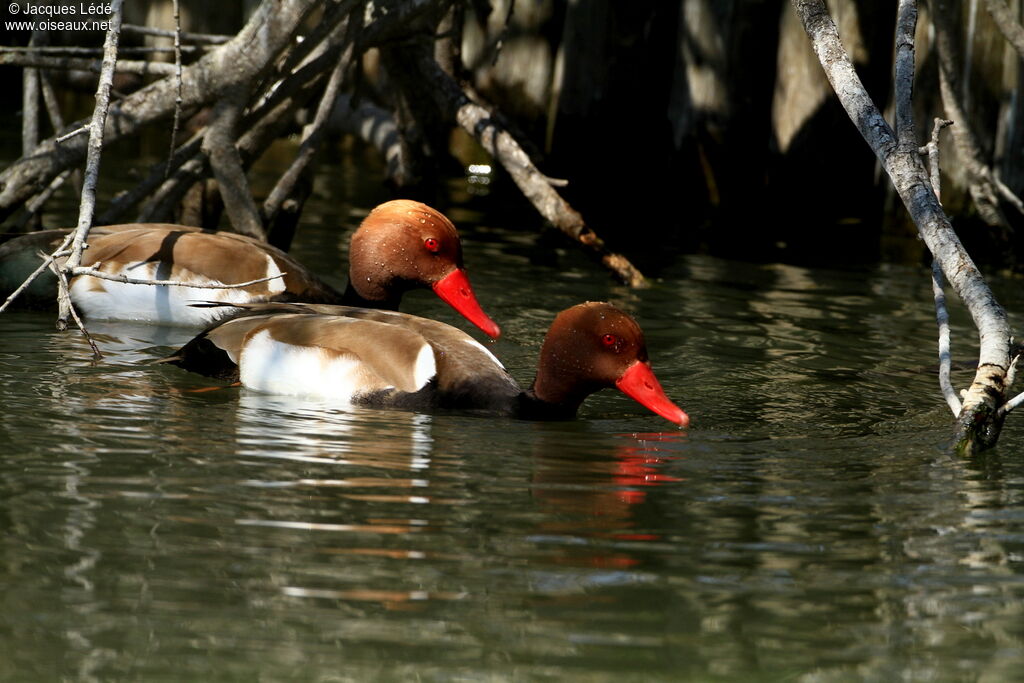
(810, 525)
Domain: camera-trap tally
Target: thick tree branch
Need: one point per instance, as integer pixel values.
(219, 147)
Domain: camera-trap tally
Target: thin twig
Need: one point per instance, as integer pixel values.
(140, 68)
(93, 271)
(177, 85)
(312, 135)
(47, 260)
(945, 357)
(906, 24)
(60, 50)
(938, 281)
(76, 132)
(931, 151)
(62, 281)
(1011, 404)
(92, 164)
(57, 122)
(198, 38)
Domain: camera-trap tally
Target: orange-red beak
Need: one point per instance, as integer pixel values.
(455, 291)
(639, 383)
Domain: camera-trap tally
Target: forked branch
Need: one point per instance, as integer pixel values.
(979, 422)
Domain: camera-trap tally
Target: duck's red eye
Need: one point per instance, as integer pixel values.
(432, 244)
(609, 340)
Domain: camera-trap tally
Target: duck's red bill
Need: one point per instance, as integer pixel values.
(455, 291)
(639, 383)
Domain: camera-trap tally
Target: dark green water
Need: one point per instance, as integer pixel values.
(808, 527)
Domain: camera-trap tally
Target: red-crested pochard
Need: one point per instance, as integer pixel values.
(401, 245)
(369, 357)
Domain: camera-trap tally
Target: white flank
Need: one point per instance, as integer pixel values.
(425, 367)
(276, 286)
(474, 342)
(274, 367)
(151, 304)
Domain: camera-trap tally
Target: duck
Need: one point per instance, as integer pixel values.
(366, 357)
(401, 245)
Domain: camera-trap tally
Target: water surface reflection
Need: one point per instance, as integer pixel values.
(808, 526)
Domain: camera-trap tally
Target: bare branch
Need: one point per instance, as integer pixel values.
(219, 147)
(931, 150)
(906, 23)
(92, 164)
(177, 82)
(312, 134)
(93, 271)
(501, 145)
(79, 64)
(197, 38)
(980, 179)
(1007, 24)
(978, 425)
(269, 31)
(46, 262)
(75, 133)
(945, 357)
(65, 295)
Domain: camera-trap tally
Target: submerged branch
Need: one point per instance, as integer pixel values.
(938, 280)
(62, 284)
(945, 356)
(978, 425)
